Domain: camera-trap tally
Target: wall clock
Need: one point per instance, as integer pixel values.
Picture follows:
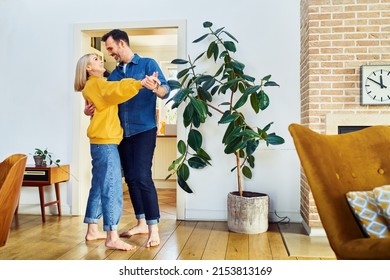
(375, 84)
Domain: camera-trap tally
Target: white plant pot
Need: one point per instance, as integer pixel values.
(249, 213)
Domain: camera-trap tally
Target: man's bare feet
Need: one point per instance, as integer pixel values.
(118, 244)
(93, 233)
(154, 237)
(138, 229)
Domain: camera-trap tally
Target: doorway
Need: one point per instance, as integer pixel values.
(161, 40)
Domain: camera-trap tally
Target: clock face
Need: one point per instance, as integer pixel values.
(376, 84)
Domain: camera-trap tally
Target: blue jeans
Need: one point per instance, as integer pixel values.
(136, 154)
(105, 196)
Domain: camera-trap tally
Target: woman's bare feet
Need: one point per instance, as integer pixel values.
(93, 233)
(140, 228)
(154, 237)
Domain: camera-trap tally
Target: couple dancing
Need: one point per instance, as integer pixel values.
(127, 141)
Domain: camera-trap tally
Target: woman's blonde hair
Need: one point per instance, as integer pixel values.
(81, 75)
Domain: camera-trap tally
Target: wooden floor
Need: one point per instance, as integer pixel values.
(62, 238)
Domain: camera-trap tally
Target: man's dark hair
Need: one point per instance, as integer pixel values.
(117, 35)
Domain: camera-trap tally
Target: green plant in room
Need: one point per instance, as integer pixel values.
(195, 92)
(43, 155)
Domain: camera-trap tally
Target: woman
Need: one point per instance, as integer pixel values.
(105, 133)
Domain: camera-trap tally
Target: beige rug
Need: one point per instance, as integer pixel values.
(299, 244)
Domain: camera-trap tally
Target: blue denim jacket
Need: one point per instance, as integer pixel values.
(139, 113)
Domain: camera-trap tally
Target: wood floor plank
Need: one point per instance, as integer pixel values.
(217, 243)
(278, 249)
(238, 246)
(259, 247)
(194, 248)
(175, 244)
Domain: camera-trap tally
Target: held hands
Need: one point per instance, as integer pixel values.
(151, 82)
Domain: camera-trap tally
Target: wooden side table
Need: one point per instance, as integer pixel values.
(42, 176)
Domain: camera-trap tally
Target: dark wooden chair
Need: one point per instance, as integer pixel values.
(11, 178)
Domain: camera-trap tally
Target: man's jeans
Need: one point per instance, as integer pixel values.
(136, 156)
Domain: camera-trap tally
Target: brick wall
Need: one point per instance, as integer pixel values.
(337, 37)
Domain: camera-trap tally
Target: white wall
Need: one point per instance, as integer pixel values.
(36, 86)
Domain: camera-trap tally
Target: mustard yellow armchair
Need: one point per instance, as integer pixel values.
(335, 165)
(11, 178)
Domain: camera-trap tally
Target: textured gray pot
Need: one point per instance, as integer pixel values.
(249, 213)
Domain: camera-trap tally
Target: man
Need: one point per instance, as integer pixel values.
(138, 119)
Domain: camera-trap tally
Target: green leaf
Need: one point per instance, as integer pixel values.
(248, 133)
(188, 115)
(216, 32)
(181, 147)
(235, 145)
(199, 56)
(229, 45)
(196, 162)
(200, 38)
(231, 36)
(251, 161)
(196, 120)
(263, 100)
(247, 172)
(208, 84)
(248, 78)
(200, 109)
(274, 139)
(267, 127)
(183, 171)
(255, 102)
(233, 135)
(251, 146)
(241, 101)
(270, 84)
(182, 183)
(210, 50)
(205, 156)
(173, 84)
(238, 65)
(227, 117)
(195, 139)
(266, 78)
(179, 61)
(207, 24)
(182, 73)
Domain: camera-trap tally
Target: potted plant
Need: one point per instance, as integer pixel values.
(42, 155)
(195, 92)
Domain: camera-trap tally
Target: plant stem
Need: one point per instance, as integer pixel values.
(239, 180)
(215, 108)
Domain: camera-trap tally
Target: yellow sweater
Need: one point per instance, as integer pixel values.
(105, 127)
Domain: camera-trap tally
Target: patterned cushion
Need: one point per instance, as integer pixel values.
(368, 214)
(382, 199)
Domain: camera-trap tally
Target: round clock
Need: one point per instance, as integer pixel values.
(375, 84)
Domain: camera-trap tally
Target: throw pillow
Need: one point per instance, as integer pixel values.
(382, 199)
(368, 214)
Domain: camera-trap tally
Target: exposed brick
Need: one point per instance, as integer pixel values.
(341, 36)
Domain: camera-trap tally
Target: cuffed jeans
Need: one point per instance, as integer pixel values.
(136, 154)
(105, 196)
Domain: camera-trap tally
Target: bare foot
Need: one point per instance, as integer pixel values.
(138, 229)
(95, 235)
(119, 245)
(154, 237)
